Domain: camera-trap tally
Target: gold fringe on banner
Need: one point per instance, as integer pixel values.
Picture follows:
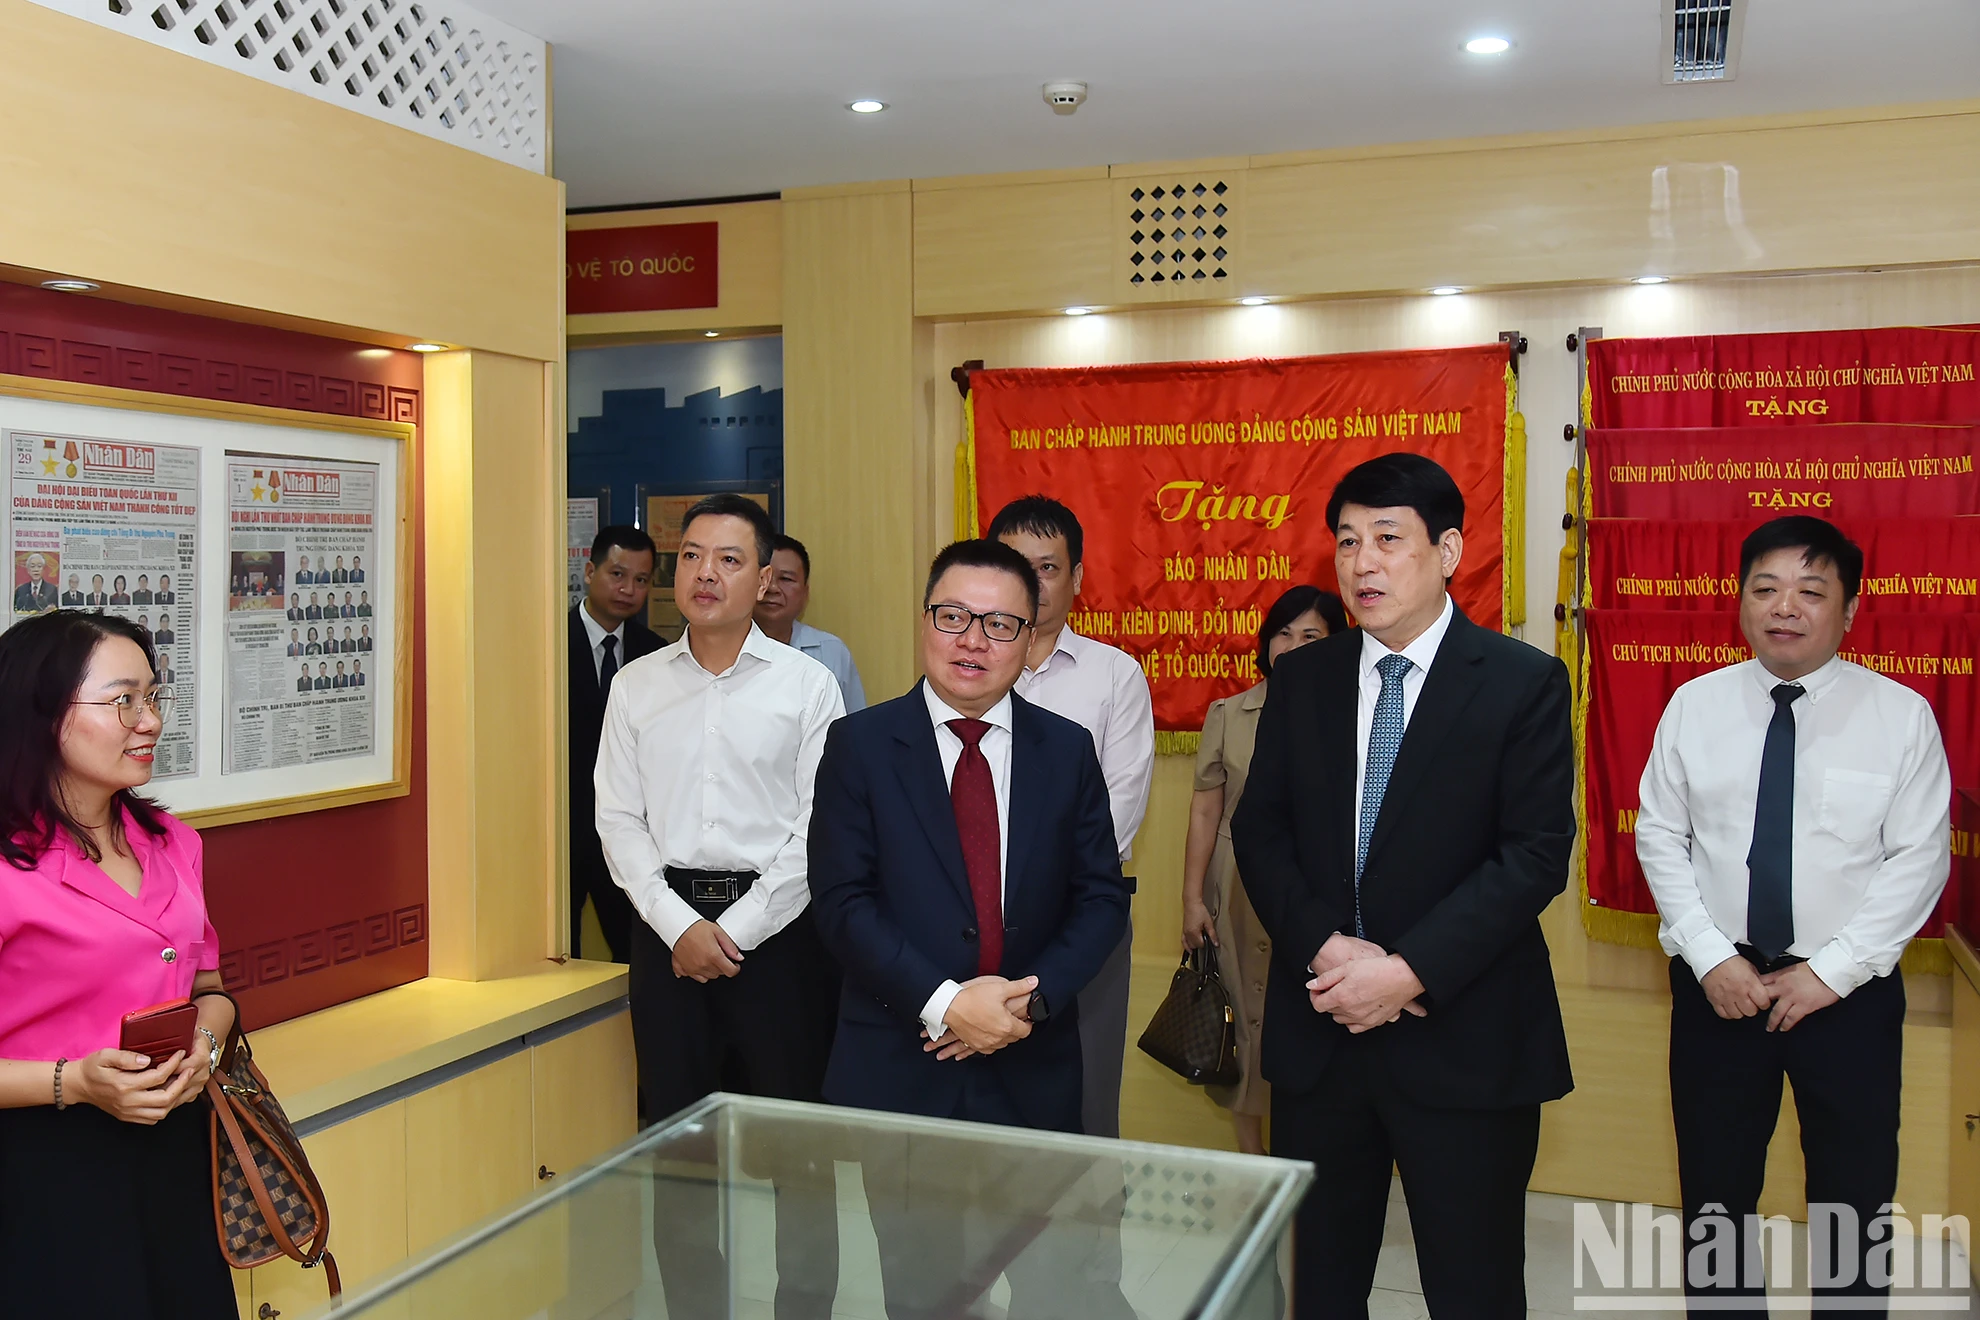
(966, 515)
(1514, 530)
(1176, 742)
(1567, 640)
(1587, 403)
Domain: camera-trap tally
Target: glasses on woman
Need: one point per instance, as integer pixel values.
(131, 707)
(998, 627)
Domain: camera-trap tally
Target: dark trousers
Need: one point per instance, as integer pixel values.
(102, 1220)
(1845, 1063)
(766, 1031)
(1464, 1173)
(615, 911)
(950, 1217)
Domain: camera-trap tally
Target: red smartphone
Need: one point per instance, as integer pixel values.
(160, 1031)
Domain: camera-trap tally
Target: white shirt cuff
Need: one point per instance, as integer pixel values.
(937, 1007)
(1837, 970)
(1707, 951)
(671, 916)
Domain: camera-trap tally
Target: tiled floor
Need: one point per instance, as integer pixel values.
(1160, 1273)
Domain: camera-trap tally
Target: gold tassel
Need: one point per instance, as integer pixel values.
(965, 502)
(1176, 742)
(1514, 514)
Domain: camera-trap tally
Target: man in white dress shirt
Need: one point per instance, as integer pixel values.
(704, 783)
(1102, 688)
(1795, 833)
(781, 614)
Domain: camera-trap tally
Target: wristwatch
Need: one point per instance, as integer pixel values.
(1036, 1010)
(213, 1056)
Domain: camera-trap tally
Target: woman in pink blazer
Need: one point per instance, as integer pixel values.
(106, 1199)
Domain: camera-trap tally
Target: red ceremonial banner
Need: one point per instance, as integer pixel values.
(1910, 566)
(1202, 488)
(1906, 374)
(1637, 658)
(647, 268)
(1828, 471)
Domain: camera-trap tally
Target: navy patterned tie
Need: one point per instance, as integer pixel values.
(1385, 736)
(1770, 860)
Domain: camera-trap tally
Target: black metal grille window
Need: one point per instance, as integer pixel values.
(1180, 233)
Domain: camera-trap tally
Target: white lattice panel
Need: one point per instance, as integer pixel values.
(433, 66)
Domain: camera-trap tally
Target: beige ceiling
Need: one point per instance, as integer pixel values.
(659, 102)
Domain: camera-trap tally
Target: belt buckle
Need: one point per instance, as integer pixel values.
(713, 891)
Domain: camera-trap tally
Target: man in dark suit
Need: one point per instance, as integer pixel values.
(295, 643)
(97, 597)
(166, 596)
(38, 592)
(142, 596)
(357, 568)
(340, 574)
(605, 636)
(364, 644)
(348, 611)
(1408, 815)
(364, 605)
(295, 609)
(304, 684)
(964, 873)
(322, 677)
(315, 610)
(305, 578)
(73, 597)
(357, 673)
(341, 679)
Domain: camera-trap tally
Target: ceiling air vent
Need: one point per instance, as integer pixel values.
(1701, 40)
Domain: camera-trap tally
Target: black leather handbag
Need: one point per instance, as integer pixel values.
(1194, 1032)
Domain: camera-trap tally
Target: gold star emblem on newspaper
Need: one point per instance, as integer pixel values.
(49, 464)
(258, 491)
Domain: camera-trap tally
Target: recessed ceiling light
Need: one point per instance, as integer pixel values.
(1078, 311)
(1488, 45)
(71, 286)
(868, 107)
(1446, 290)
(710, 334)
(1651, 279)
(424, 347)
(1255, 300)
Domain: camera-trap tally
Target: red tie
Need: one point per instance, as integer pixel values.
(974, 797)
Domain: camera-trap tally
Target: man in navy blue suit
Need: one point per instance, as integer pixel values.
(964, 872)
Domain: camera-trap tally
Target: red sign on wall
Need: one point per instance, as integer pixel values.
(650, 268)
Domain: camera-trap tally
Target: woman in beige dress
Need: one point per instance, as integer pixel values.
(1214, 905)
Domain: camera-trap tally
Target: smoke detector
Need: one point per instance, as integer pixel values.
(1064, 97)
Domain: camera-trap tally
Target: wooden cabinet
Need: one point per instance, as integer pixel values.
(409, 1174)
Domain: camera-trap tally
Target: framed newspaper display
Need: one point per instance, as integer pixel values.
(249, 542)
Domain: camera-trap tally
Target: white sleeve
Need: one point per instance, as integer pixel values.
(630, 852)
(937, 1008)
(781, 892)
(1127, 757)
(1663, 849)
(1917, 863)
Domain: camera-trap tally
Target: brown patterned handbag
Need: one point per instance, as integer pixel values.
(267, 1202)
(1194, 1031)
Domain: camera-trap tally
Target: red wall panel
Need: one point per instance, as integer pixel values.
(320, 908)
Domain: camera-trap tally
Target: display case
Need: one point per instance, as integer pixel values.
(720, 1210)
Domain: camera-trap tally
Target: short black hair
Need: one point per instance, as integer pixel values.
(796, 547)
(730, 505)
(1820, 542)
(1289, 606)
(1401, 481)
(628, 538)
(1040, 515)
(983, 553)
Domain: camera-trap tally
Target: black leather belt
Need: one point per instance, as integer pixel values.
(1763, 963)
(709, 888)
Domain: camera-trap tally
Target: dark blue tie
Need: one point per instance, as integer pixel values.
(1385, 735)
(1770, 861)
(608, 666)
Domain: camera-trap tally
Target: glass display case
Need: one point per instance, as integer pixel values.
(740, 1207)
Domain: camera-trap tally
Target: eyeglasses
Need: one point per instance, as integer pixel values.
(130, 706)
(998, 627)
